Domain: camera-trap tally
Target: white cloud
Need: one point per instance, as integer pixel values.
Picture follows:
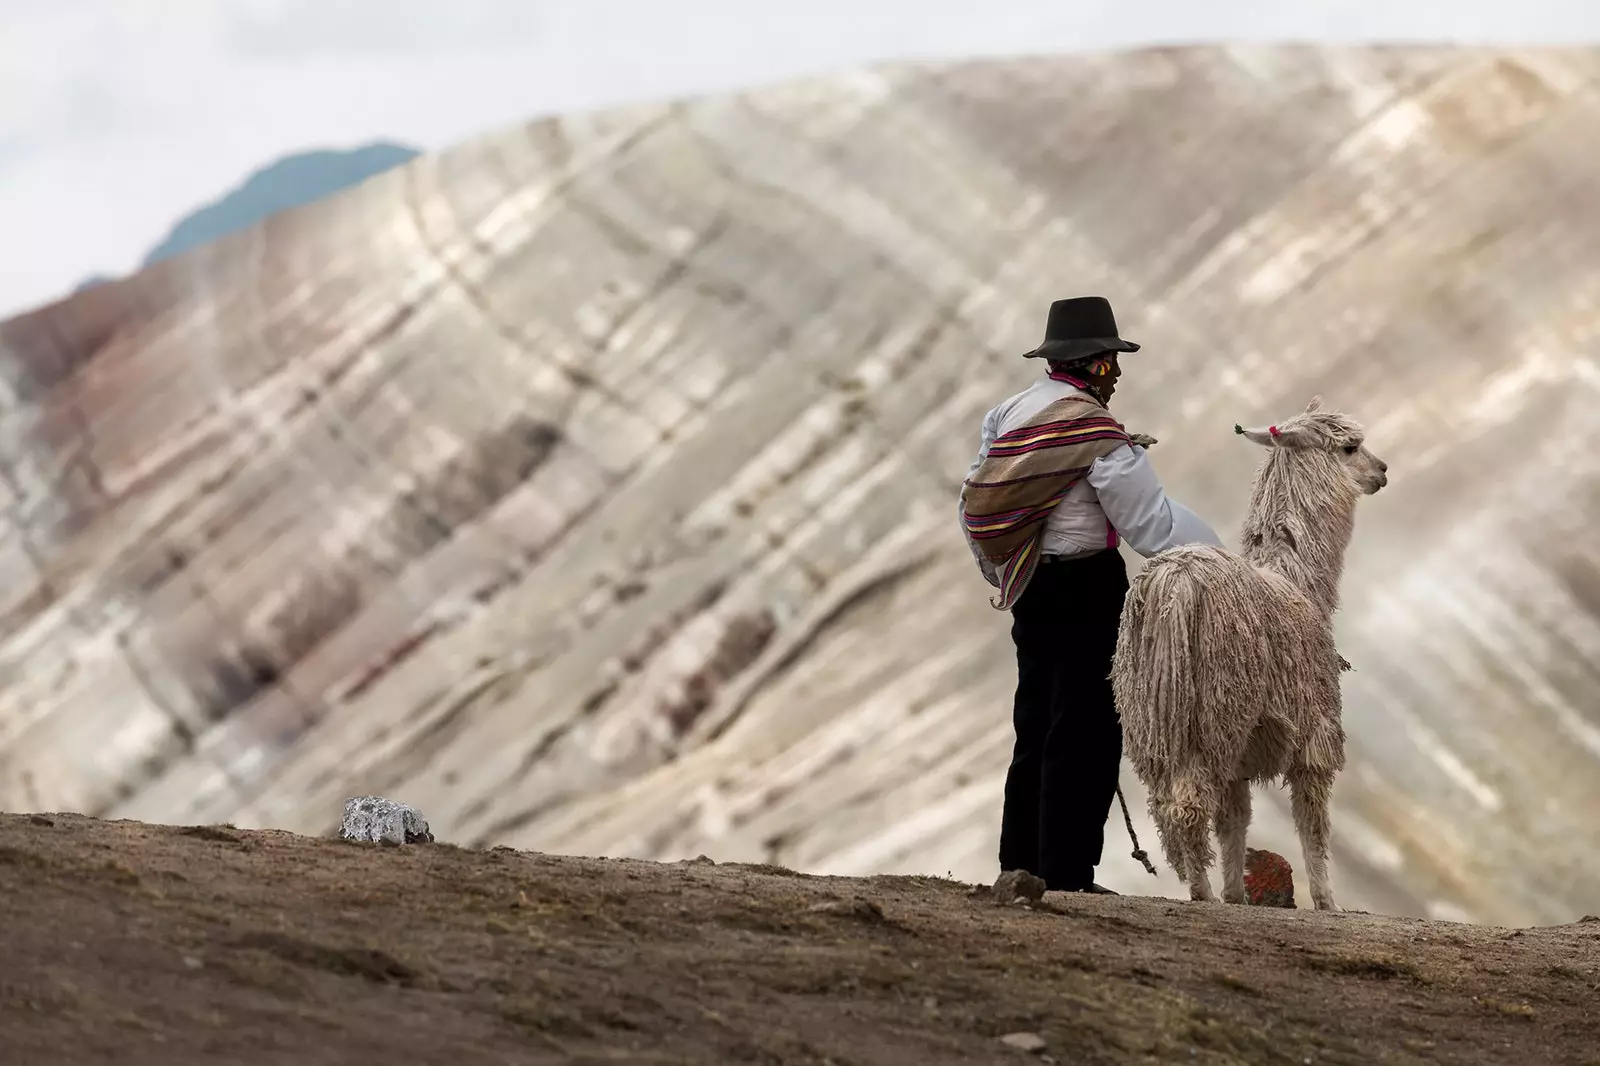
(119, 116)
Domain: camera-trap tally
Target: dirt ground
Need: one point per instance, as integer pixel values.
(140, 944)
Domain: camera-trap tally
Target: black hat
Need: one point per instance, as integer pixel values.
(1078, 329)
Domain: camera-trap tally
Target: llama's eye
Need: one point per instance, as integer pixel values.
(1351, 449)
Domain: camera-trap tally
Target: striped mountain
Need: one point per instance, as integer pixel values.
(591, 485)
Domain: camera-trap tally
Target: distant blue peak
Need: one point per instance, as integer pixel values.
(91, 281)
(290, 182)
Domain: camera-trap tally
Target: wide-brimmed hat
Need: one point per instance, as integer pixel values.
(1078, 329)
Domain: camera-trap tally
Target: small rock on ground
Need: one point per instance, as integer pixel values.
(375, 820)
(1015, 884)
(1029, 1042)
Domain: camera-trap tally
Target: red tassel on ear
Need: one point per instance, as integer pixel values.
(1274, 431)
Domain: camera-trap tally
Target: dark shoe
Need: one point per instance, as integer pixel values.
(1098, 890)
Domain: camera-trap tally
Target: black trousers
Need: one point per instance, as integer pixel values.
(1063, 773)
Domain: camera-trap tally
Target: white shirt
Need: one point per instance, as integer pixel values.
(1121, 487)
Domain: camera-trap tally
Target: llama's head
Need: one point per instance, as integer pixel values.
(1328, 439)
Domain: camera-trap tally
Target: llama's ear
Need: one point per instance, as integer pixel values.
(1272, 436)
(1314, 405)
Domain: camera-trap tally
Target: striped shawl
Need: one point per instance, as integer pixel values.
(1027, 471)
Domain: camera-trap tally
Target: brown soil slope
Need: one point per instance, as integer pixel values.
(136, 943)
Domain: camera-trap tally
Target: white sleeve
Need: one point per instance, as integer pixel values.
(986, 438)
(1132, 497)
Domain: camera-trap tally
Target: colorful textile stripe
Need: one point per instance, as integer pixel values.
(1026, 473)
(1069, 379)
(1057, 435)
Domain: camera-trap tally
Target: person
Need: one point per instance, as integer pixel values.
(1057, 486)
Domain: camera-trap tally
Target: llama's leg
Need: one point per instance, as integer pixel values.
(1233, 818)
(1159, 807)
(1185, 816)
(1312, 793)
(1197, 859)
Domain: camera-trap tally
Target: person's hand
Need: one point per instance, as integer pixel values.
(1143, 440)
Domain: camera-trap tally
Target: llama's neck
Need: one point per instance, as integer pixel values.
(1302, 513)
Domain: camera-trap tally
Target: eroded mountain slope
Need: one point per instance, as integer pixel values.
(591, 485)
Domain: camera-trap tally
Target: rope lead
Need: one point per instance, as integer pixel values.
(1139, 854)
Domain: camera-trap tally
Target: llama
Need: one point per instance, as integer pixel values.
(1225, 671)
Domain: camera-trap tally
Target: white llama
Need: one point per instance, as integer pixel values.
(1225, 671)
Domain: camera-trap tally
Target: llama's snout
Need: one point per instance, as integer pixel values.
(1378, 477)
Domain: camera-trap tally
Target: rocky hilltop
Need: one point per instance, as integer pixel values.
(591, 485)
(145, 945)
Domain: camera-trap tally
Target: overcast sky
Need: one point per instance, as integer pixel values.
(117, 117)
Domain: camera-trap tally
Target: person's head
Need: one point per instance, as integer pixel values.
(1099, 371)
(1081, 338)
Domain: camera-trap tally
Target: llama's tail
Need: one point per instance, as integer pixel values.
(1155, 675)
(1181, 807)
